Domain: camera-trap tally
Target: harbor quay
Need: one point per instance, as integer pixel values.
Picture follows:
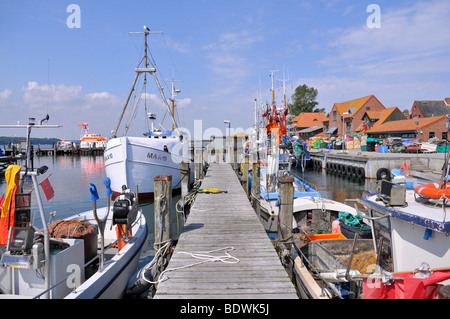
(371, 165)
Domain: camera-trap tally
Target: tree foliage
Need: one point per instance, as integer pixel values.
(304, 100)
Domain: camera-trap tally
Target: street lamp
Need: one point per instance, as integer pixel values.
(343, 130)
(228, 139)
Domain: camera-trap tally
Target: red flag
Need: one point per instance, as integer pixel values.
(48, 189)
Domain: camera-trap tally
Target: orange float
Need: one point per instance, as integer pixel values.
(433, 190)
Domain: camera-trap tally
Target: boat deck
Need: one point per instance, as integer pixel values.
(426, 213)
(218, 221)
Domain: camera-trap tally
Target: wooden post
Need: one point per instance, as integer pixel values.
(198, 163)
(185, 178)
(285, 216)
(256, 184)
(163, 203)
(245, 174)
(235, 166)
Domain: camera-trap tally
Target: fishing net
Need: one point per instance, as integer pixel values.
(362, 261)
(71, 229)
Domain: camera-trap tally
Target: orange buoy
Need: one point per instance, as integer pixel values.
(433, 190)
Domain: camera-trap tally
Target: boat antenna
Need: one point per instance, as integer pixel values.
(172, 99)
(273, 92)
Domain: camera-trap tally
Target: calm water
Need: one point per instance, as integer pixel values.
(70, 177)
(335, 186)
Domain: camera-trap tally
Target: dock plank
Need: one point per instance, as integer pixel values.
(218, 221)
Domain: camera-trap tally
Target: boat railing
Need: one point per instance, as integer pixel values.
(304, 182)
(98, 256)
(322, 280)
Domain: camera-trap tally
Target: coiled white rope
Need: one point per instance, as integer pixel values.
(204, 256)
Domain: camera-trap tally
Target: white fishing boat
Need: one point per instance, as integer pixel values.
(408, 256)
(73, 258)
(276, 162)
(134, 161)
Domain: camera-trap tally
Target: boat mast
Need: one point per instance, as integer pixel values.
(139, 71)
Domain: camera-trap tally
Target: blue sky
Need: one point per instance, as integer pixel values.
(222, 52)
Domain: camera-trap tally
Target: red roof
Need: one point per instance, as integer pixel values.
(405, 125)
(310, 119)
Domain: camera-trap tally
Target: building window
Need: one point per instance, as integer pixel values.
(444, 135)
(348, 127)
(431, 135)
(334, 115)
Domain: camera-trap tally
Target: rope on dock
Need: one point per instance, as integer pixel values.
(204, 256)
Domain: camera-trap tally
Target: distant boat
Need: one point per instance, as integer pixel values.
(91, 141)
(134, 161)
(65, 146)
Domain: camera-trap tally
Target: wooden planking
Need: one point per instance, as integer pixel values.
(217, 221)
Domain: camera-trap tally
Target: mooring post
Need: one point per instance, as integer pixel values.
(285, 215)
(162, 187)
(185, 184)
(256, 184)
(235, 165)
(198, 163)
(185, 178)
(245, 174)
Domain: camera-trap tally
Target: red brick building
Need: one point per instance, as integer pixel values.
(422, 128)
(356, 109)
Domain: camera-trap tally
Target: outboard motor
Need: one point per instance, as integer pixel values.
(125, 209)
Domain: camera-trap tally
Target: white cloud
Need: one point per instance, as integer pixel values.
(228, 57)
(419, 29)
(4, 96)
(56, 96)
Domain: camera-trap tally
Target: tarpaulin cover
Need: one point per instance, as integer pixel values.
(8, 205)
(409, 288)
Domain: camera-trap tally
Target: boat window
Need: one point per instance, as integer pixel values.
(382, 232)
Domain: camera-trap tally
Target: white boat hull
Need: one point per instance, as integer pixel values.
(135, 161)
(112, 282)
(67, 275)
(269, 210)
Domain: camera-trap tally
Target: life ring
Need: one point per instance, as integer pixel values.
(433, 190)
(383, 173)
(360, 173)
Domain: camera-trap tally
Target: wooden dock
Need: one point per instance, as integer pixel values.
(218, 221)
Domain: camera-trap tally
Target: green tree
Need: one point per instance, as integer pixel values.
(304, 100)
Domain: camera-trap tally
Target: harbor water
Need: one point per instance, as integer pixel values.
(70, 177)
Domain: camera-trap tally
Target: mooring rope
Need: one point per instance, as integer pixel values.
(204, 256)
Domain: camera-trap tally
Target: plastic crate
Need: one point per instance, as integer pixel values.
(315, 237)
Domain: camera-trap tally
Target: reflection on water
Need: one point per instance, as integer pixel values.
(336, 186)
